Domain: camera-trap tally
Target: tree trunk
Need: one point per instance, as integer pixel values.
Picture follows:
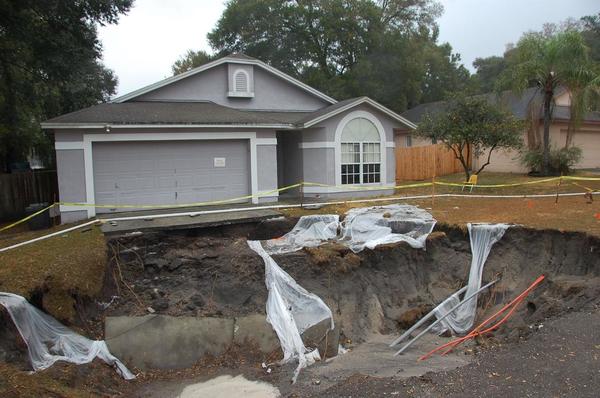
(548, 95)
(9, 114)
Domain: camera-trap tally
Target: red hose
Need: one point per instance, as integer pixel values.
(476, 332)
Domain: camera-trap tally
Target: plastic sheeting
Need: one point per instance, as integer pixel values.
(362, 227)
(483, 237)
(291, 310)
(373, 226)
(49, 341)
(309, 231)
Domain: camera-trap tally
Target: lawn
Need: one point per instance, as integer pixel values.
(60, 267)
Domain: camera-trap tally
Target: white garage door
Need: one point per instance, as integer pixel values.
(169, 172)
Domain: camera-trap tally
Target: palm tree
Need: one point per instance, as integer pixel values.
(560, 61)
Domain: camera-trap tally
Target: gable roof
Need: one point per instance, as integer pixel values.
(342, 106)
(237, 58)
(518, 105)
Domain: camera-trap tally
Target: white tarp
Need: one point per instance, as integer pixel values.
(362, 227)
(309, 231)
(49, 341)
(378, 225)
(291, 310)
(483, 237)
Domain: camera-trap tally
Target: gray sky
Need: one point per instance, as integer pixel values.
(147, 41)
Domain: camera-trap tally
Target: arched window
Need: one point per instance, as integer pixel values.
(361, 152)
(241, 81)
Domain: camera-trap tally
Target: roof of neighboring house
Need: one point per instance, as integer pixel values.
(232, 58)
(518, 105)
(159, 112)
(202, 113)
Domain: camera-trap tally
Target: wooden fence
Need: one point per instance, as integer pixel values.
(423, 162)
(19, 190)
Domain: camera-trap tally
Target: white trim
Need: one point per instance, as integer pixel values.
(338, 145)
(66, 145)
(390, 144)
(316, 144)
(361, 100)
(88, 139)
(375, 188)
(66, 209)
(266, 141)
(218, 62)
(103, 126)
(240, 94)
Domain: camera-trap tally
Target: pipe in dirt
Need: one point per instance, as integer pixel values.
(428, 328)
(422, 321)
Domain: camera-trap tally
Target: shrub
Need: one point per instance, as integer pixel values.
(561, 160)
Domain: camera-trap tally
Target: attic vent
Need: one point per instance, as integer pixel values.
(241, 81)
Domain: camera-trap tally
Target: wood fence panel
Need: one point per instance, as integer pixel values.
(19, 190)
(423, 162)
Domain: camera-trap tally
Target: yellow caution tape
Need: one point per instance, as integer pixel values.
(172, 206)
(26, 218)
(300, 184)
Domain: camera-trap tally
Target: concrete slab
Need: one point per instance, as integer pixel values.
(255, 329)
(151, 223)
(165, 342)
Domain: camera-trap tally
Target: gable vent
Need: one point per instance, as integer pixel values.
(241, 82)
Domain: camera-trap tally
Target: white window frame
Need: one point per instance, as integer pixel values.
(362, 162)
(382, 147)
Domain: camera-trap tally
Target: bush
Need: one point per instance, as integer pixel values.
(561, 160)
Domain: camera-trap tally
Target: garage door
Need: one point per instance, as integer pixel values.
(170, 172)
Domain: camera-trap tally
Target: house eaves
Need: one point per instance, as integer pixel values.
(351, 104)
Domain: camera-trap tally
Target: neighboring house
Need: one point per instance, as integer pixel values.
(586, 137)
(230, 128)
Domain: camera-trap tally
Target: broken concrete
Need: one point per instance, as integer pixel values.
(166, 342)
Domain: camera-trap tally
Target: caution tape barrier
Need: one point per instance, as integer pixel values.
(304, 184)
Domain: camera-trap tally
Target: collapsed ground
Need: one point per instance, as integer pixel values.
(214, 273)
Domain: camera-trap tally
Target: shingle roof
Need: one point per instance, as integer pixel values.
(518, 105)
(147, 112)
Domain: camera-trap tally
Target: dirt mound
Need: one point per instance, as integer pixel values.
(215, 273)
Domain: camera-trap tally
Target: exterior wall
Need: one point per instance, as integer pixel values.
(233, 68)
(400, 139)
(318, 165)
(267, 170)
(587, 138)
(270, 92)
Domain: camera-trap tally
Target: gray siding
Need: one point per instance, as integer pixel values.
(270, 92)
(72, 216)
(290, 157)
(68, 136)
(267, 167)
(71, 175)
(319, 165)
(391, 165)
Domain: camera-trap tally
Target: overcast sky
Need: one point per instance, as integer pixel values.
(146, 42)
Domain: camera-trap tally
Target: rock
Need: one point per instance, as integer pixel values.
(154, 293)
(155, 263)
(197, 299)
(175, 264)
(150, 310)
(160, 304)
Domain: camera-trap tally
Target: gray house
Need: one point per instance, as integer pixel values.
(231, 128)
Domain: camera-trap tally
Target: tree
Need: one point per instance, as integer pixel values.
(471, 126)
(347, 48)
(191, 59)
(487, 72)
(49, 64)
(550, 62)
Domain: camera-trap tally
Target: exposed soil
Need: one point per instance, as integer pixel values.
(377, 292)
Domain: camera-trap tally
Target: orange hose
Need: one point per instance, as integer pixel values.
(476, 332)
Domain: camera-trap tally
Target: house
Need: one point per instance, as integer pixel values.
(231, 128)
(586, 137)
